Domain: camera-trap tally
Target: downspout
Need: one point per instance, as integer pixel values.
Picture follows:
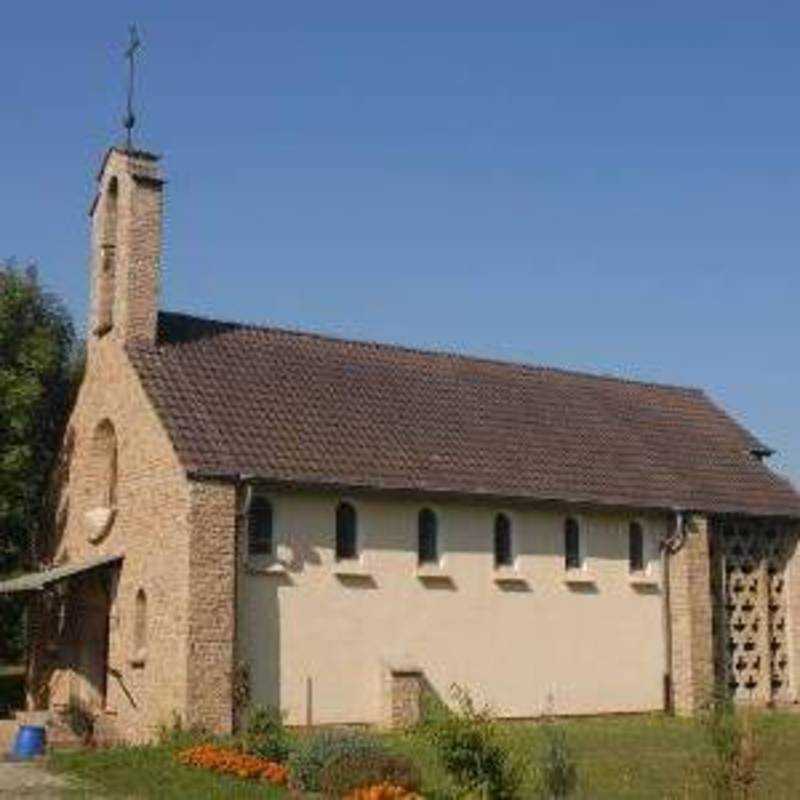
(669, 545)
(246, 482)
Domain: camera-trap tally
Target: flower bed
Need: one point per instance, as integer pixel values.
(383, 791)
(232, 762)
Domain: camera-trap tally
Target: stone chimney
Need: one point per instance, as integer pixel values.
(126, 247)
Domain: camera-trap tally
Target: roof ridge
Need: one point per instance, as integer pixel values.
(523, 365)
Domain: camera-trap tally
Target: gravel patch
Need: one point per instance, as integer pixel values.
(27, 780)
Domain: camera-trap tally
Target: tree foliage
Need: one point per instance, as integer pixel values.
(37, 380)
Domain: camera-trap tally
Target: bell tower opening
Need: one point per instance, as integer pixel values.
(108, 257)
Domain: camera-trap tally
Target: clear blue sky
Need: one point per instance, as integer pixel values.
(599, 186)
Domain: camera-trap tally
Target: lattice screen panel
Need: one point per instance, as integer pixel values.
(748, 562)
(778, 547)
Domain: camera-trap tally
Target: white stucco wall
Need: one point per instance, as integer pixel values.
(526, 648)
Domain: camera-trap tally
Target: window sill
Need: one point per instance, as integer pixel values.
(350, 569)
(432, 571)
(270, 568)
(642, 579)
(580, 577)
(508, 575)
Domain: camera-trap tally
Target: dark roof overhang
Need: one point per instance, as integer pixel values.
(33, 582)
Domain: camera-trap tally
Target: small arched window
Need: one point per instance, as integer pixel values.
(635, 547)
(259, 527)
(573, 558)
(427, 537)
(140, 629)
(503, 554)
(103, 465)
(346, 532)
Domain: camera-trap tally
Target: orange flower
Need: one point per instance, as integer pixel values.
(231, 762)
(382, 791)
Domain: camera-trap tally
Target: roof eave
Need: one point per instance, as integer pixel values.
(477, 495)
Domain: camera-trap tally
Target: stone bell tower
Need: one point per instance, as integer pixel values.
(126, 247)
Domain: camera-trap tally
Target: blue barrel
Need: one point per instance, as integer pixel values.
(29, 742)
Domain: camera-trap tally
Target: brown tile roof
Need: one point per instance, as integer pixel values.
(303, 408)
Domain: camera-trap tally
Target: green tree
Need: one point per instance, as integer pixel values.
(37, 380)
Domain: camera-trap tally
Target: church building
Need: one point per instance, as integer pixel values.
(252, 516)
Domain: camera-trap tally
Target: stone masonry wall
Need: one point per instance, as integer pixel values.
(136, 248)
(123, 491)
(146, 518)
(691, 612)
(150, 528)
(406, 698)
(212, 608)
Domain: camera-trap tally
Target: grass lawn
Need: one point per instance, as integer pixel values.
(147, 772)
(618, 757)
(641, 757)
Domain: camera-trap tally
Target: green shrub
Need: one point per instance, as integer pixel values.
(558, 772)
(266, 735)
(346, 772)
(307, 763)
(265, 721)
(176, 735)
(470, 748)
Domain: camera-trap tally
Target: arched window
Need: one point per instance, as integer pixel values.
(103, 466)
(259, 527)
(108, 257)
(140, 629)
(635, 547)
(427, 537)
(503, 555)
(573, 558)
(346, 532)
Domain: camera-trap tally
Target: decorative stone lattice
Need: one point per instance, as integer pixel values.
(748, 562)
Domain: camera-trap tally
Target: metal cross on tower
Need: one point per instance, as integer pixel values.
(130, 118)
